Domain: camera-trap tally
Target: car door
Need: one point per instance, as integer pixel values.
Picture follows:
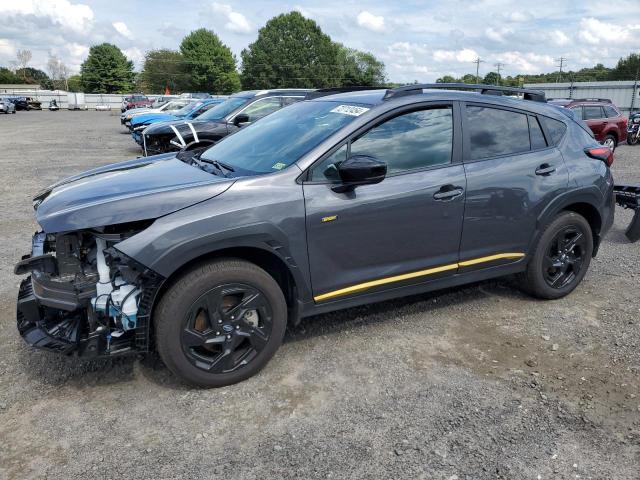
(512, 171)
(593, 115)
(401, 231)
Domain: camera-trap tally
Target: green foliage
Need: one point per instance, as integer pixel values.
(106, 70)
(75, 83)
(290, 51)
(7, 76)
(491, 78)
(34, 76)
(626, 68)
(163, 68)
(358, 68)
(209, 63)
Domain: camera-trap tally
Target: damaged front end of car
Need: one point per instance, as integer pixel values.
(83, 296)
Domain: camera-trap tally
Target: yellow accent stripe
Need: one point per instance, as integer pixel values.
(420, 273)
(329, 219)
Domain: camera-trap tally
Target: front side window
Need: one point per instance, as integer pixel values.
(262, 108)
(577, 111)
(223, 109)
(494, 132)
(591, 112)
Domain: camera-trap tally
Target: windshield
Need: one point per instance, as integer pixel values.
(223, 109)
(187, 109)
(280, 139)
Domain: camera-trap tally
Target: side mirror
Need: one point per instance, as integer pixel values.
(360, 170)
(241, 119)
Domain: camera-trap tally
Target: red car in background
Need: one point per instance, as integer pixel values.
(606, 122)
(136, 101)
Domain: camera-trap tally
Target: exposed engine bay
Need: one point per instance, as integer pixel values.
(85, 296)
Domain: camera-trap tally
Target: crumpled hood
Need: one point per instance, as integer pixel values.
(140, 189)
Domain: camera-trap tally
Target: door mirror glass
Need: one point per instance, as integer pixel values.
(241, 119)
(360, 170)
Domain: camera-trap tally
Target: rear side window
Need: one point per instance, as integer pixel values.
(610, 111)
(591, 112)
(555, 129)
(494, 132)
(537, 137)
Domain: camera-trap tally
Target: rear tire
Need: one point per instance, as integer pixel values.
(632, 140)
(220, 323)
(610, 141)
(560, 258)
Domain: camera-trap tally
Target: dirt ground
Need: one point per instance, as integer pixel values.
(479, 382)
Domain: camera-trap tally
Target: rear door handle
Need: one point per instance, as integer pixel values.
(448, 192)
(545, 169)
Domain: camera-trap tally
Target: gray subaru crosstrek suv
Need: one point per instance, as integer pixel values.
(336, 201)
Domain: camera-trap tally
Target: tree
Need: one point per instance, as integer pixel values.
(209, 62)
(291, 51)
(447, 79)
(358, 68)
(7, 76)
(106, 70)
(74, 83)
(23, 57)
(164, 68)
(491, 78)
(626, 68)
(59, 73)
(34, 76)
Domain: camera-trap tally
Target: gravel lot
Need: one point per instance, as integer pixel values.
(480, 382)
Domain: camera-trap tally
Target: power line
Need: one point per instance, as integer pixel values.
(498, 67)
(561, 60)
(477, 61)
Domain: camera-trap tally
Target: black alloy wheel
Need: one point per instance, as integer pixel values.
(220, 322)
(227, 327)
(565, 257)
(560, 257)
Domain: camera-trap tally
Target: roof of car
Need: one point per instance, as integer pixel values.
(272, 91)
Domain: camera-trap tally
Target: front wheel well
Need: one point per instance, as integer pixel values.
(268, 261)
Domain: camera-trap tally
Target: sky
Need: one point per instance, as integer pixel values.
(417, 40)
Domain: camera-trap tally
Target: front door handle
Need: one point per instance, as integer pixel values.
(545, 169)
(448, 192)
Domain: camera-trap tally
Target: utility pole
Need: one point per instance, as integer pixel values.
(562, 61)
(498, 67)
(477, 61)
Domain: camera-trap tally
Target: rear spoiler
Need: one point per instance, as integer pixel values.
(628, 196)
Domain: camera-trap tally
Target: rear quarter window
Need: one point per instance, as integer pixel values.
(555, 129)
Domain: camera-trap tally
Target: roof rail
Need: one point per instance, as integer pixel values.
(603, 100)
(323, 92)
(528, 94)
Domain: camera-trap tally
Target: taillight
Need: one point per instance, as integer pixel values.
(600, 153)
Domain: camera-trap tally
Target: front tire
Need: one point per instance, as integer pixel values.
(220, 323)
(633, 139)
(560, 258)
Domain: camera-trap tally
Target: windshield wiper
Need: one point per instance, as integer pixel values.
(217, 163)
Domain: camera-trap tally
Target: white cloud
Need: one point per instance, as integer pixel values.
(526, 62)
(497, 35)
(464, 55)
(371, 22)
(76, 17)
(596, 32)
(134, 54)
(122, 29)
(7, 48)
(236, 22)
(559, 38)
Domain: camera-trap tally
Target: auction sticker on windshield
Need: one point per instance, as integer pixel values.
(350, 110)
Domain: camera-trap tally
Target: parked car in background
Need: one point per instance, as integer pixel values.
(199, 95)
(19, 102)
(189, 111)
(136, 101)
(33, 103)
(168, 107)
(330, 203)
(606, 122)
(162, 99)
(238, 110)
(7, 106)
